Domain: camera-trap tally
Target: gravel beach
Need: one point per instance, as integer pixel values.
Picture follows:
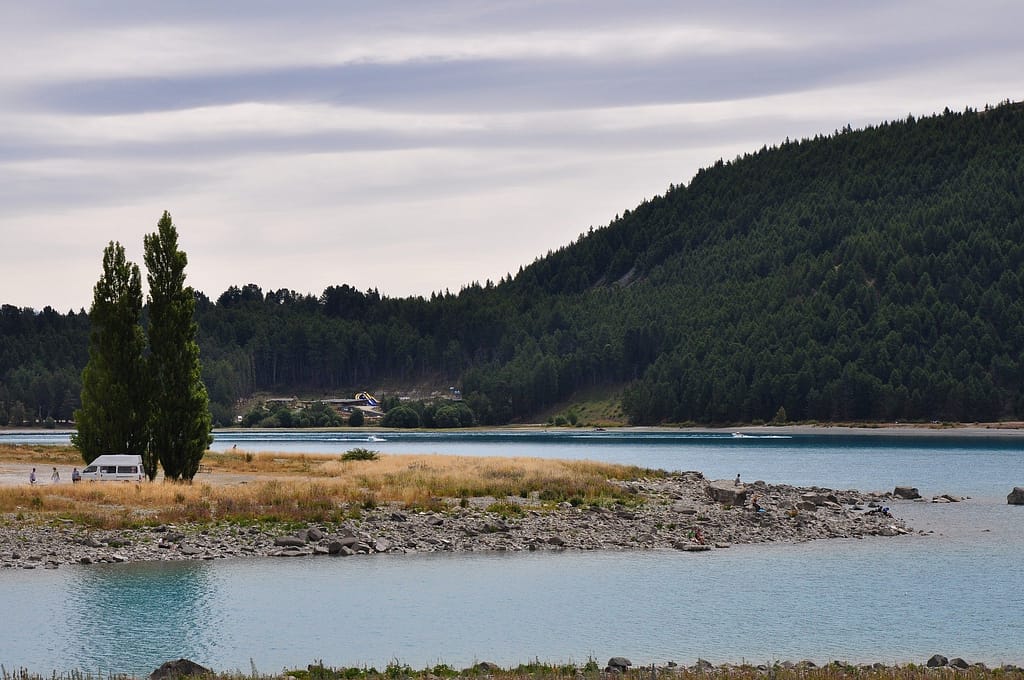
(683, 511)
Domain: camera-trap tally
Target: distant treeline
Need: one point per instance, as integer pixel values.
(864, 275)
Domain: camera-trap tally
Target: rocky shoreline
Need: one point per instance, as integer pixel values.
(622, 667)
(682, 511)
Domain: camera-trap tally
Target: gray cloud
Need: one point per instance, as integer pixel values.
(419, 146)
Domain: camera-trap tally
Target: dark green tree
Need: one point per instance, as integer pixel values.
(401, 417)
(180, 423)
(114, 413)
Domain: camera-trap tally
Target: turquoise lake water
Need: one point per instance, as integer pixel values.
(957, 591)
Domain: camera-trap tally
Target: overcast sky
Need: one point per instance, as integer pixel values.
(420, 146)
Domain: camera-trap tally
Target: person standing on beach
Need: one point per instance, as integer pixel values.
(32, 476)
(75, 475)
(55, 477)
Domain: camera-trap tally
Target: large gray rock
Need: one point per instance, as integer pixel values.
(906, 492)
(1016, 497)
(727, 492)
(937, 661)
(182, 668)
(619, 663)
(290, 541)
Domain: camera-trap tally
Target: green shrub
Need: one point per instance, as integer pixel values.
(360, 453)
(505, 509)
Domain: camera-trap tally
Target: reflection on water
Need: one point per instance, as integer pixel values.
(126, 613)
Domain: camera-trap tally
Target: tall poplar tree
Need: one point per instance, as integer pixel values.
(114, 413)
(180, 421)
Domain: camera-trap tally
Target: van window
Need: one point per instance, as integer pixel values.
(128, 469)
(91, 468)
(108, 469)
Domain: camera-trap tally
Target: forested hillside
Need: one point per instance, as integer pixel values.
(869, 275)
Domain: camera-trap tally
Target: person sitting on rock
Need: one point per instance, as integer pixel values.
(755, 505)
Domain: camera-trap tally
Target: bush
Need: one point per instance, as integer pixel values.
(356, 419)
(360, 453)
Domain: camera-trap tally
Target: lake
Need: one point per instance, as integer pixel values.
(957, 591)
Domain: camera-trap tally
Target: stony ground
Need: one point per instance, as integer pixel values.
(683, 511)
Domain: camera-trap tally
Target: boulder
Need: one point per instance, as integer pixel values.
(346, 541)
(291, 551)
(314, 534)
(618, 664)
(487, 667)
(727, 492)
(1016, 497)
(959, 663)
(182, 668)
(937, 661)
(289, 541)
(906, 492)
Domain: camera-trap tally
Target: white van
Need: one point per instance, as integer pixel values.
(115, 467)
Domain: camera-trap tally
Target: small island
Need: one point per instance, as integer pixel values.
(262, 505)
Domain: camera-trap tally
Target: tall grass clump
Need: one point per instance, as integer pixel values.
(360, 453)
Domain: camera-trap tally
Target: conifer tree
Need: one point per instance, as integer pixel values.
(180, 423)
(114, 414)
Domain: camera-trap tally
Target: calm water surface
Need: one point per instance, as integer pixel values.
(958, 591)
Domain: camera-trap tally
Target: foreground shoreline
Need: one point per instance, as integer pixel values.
(618, 667)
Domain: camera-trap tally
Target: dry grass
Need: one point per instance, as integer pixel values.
(245, 487)
(41, 454)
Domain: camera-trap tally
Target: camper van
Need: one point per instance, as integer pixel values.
(115, 467)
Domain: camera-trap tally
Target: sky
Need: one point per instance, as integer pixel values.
(417, 147)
